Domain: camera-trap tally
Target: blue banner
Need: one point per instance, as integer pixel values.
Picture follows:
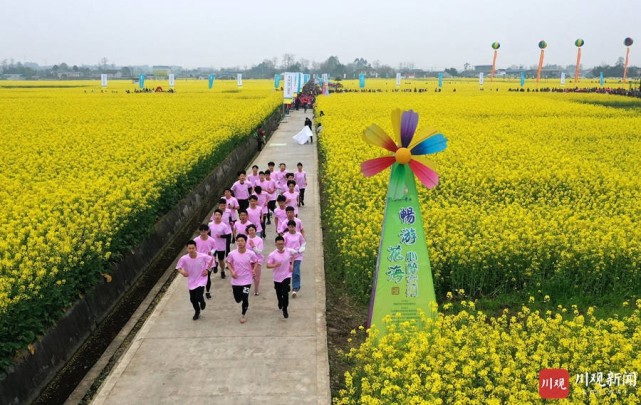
(141, 81)
(522, 79)
(211, 81)
(276, 81)
(601, 81)
(440, 80)
(361, 80)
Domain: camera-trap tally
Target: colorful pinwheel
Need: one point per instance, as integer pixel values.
(406, 149)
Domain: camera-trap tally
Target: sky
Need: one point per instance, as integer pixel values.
(430, 34)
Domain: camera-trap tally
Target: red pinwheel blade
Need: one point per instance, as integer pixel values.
(427, 176)
(374, 166)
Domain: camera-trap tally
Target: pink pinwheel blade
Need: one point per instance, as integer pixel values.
(374, 166)
(409, 121)
(427, 176)
(374, 135)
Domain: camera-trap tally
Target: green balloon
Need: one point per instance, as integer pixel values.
(495, 45)
(579, 42)
(543, 44)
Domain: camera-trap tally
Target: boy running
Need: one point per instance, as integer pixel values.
(194, 267)
(295, 241)
(281, 262)
(242, 266)
(220, 232)
(205, 244)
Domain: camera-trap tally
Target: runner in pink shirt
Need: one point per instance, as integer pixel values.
(280, 215)
(240, 227)
(291, 196)
(242, 265)
(281, 177)
(220, 232)
(291, 177)
(194, 266)
(282, 225)
(205, 244)
(269, 185)
(232, 204)
(281, 261)
(255, 214)
(301, 181)
(255, 244)
(254, 177)
(242, 189)
(295, 241)
(262, 201)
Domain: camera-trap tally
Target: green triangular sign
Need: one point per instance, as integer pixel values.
(403, 281)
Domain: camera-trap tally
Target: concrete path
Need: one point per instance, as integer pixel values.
(217, 360)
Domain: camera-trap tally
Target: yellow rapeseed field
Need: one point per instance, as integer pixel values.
(84, 173)
(537, 191)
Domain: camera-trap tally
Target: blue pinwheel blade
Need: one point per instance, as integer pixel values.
(433, 144)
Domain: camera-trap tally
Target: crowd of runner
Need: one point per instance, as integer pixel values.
(244, 219)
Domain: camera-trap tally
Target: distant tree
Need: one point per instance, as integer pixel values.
(332, 66)
(288, 61)
(452, 71)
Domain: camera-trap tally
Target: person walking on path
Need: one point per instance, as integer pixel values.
(242, 266)
(242, 189)
(205, 244)
(291, 216)
(221, 233)
(281, 261)
(194, 267)
(255, 243)
(301, 181)
(295, 241)
(269, 186)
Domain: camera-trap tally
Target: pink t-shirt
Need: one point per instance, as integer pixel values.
(217, 231)
(301, 179)
(281, 179)
(282, 226)
(232, 205)
(254, 216)
(292, 200)
(194, 268)
(284, 258)
(281, 215)
(226, 217)
(242, 264)
(205, 246)
(294, 241)
(257, 248)
(254, 180)
(241, 190)
(242, 228)
(269, 187)
(262, 200)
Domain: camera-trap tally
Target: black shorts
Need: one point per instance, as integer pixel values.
(220, 255)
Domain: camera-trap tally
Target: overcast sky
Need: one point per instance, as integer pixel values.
(430, 34)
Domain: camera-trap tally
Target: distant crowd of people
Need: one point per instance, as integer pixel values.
(599, 90)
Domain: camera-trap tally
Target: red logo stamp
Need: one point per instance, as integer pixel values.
(554, 383)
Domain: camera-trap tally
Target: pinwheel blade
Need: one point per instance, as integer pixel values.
(422, 135)
(409, 121)
(433, 144)
(374, 166)
(427, 176)
(374, 135)
(396, 125)
(427, 162)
